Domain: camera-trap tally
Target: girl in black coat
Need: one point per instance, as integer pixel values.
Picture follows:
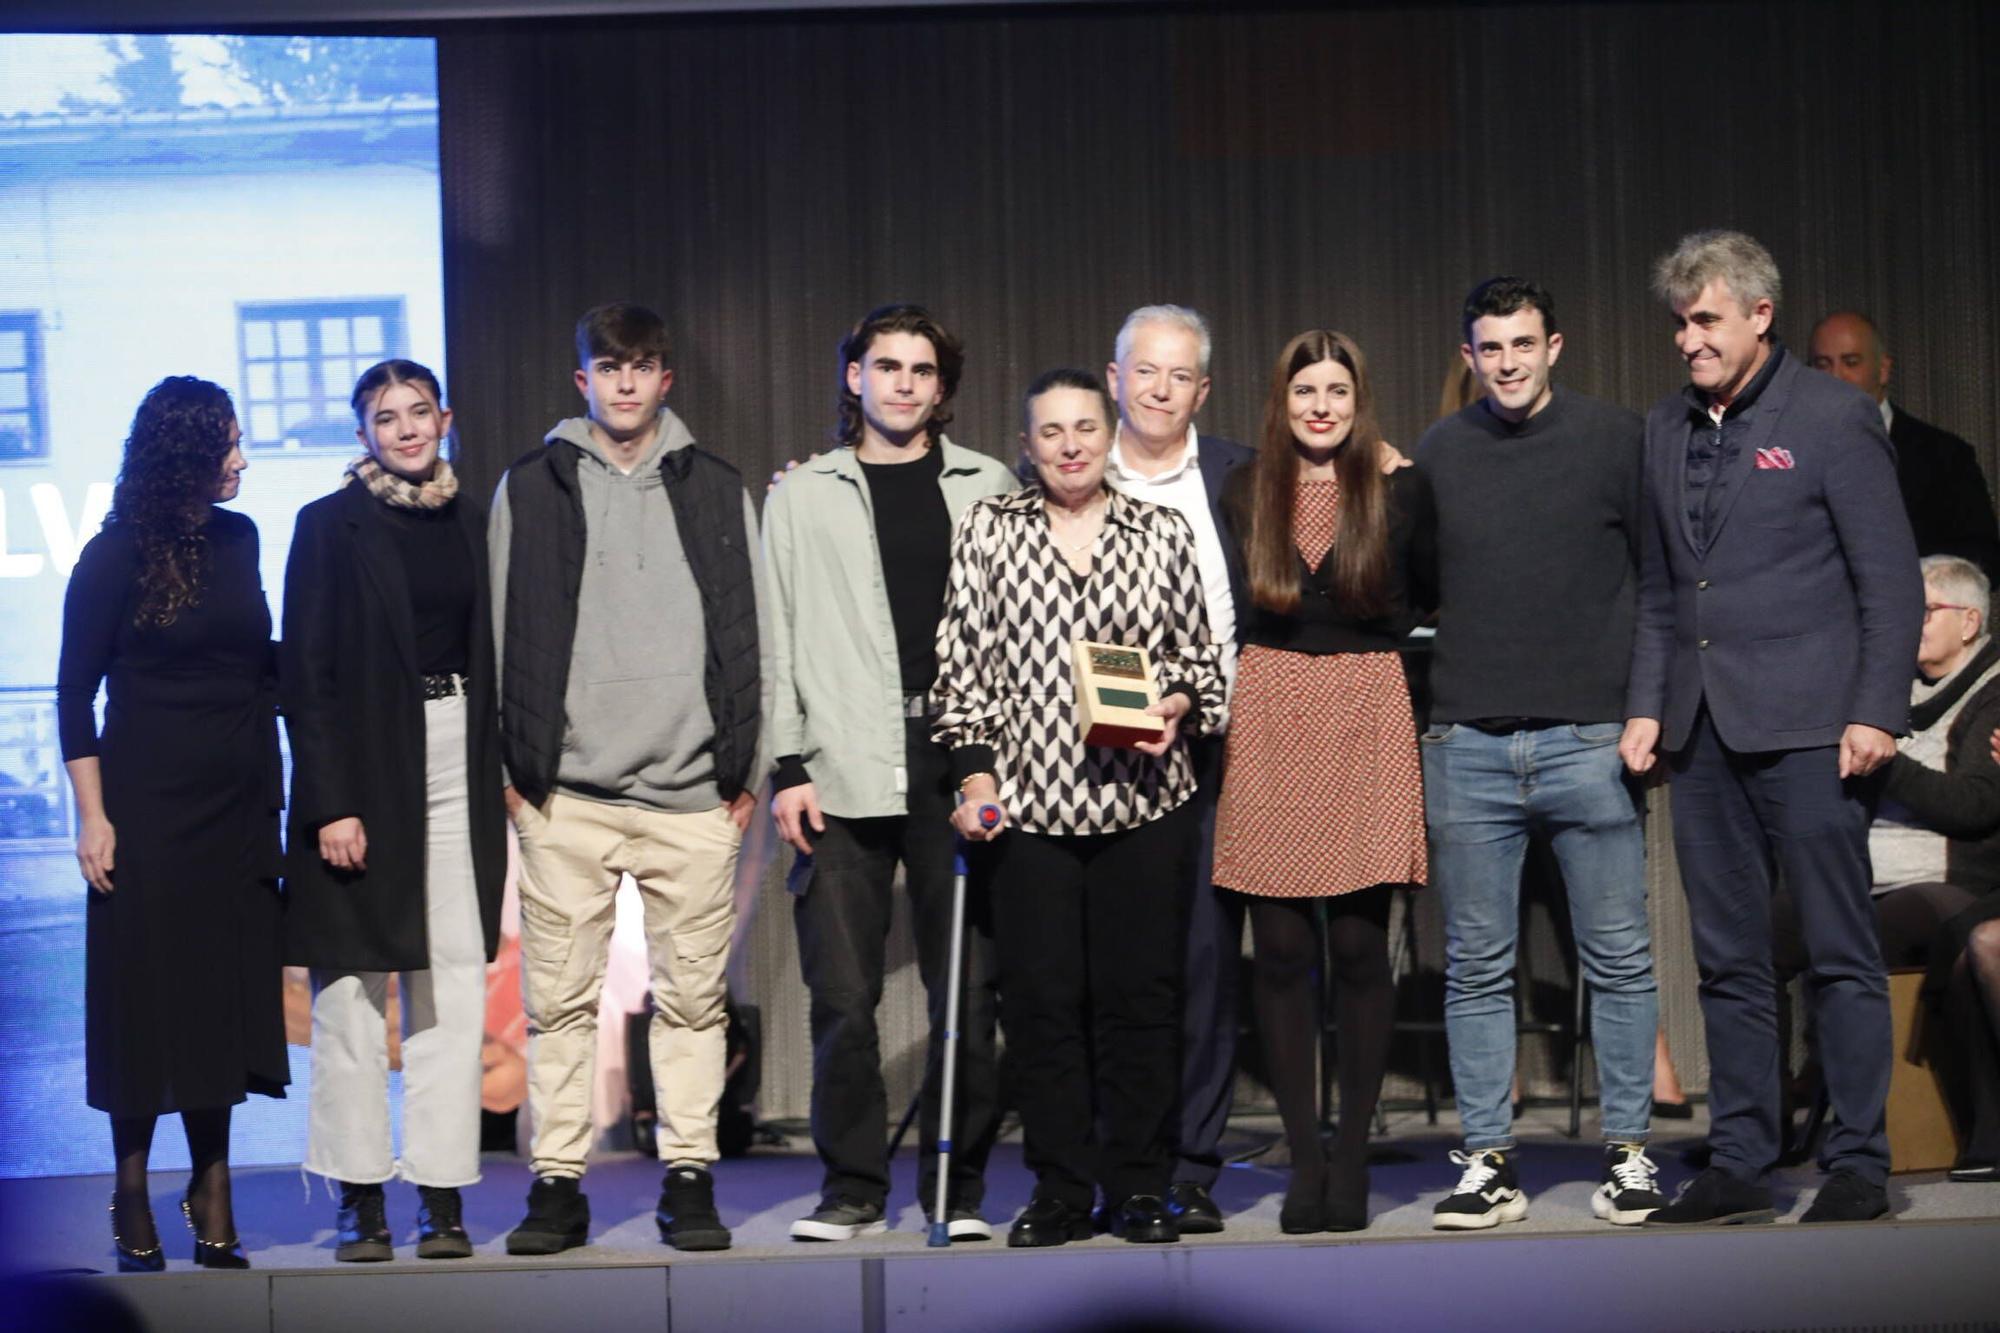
(397, 853)
(179, 802)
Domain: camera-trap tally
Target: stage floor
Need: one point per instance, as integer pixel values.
(1942, 1245)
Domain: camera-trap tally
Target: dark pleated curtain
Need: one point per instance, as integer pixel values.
(1034, 174)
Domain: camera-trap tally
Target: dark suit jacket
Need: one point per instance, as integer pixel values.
(354, 709)
(1218, 458)
(1802, 615)
(1944, 493)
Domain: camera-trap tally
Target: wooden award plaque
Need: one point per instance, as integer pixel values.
(1114, 687)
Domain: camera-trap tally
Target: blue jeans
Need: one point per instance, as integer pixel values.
(1484, 796)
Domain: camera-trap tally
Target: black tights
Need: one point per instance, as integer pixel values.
(1364, 996)
(1975, 1001)
(208, 1185)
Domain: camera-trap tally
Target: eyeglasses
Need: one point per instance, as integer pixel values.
(1930, 607)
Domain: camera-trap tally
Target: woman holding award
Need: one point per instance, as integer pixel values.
(1048, 585)
(1323, 803)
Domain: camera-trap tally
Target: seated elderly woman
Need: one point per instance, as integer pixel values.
(1091, 842)
(1935, 842)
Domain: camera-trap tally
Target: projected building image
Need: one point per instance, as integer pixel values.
(262, 212)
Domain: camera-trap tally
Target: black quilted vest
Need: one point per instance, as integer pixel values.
(545, 572)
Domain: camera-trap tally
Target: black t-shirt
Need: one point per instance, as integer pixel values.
(913, 530)
(438, 565)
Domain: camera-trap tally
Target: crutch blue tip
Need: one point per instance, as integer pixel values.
(940, 1235)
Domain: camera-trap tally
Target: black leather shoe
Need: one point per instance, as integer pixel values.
(1047, 1221)
(1346, 1199)
(1304, 1209)
(1975, 1173)
(558, 1218)
(1194, 1209)
(441, 1225)
(1715, 1198)
(1848, 1196)
(362, 1226)
(1142, 1219)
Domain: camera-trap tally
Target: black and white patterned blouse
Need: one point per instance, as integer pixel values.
(1012, 610)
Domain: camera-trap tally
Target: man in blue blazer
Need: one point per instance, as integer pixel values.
(1159, 377)
(1779, 609)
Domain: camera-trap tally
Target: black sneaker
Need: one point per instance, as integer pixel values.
(840, 1219)
(363, 1225)
(1848, 1197)
(686, 1216)
(1715, 1198)
(440, 1225)
(1631, 1188)
(962, 1222)
(558, 1218)
(1488, 1193)
(1194, 1209)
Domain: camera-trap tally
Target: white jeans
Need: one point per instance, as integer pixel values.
(444, 1012)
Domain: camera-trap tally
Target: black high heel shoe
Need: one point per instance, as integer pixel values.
(151, 1260)
(213, 1253)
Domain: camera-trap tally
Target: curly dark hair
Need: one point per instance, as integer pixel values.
(173, 467)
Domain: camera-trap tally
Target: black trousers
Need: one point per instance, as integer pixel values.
(1735, 814)
(1213, 980)
(843, 926)
(1090, 934)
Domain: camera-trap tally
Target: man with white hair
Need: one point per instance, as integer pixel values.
(1158, 376)
(1779, 608)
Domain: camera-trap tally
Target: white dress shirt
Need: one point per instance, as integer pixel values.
(1180, 487)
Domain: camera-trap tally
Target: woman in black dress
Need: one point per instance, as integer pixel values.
(179, 799)
(398, 849)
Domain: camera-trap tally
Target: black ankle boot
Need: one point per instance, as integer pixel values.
(363, 1226)
(440, 1230)
(1346, 1196)
(1304, 1209)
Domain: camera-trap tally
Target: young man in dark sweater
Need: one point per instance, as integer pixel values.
(858, 542)
(1537, 495)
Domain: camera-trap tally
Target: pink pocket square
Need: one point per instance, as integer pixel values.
(1780, 459)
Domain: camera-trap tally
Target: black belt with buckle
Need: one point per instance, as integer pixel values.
(443, 686)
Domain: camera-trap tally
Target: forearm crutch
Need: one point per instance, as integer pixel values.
(940, 1233)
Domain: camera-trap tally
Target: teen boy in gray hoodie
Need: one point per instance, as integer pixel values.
(630, 622)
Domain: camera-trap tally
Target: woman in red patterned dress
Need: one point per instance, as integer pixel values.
(1322, 798)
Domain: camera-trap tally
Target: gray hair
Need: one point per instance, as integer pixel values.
(1728, 257)
(1960, 580)
(1177, 316)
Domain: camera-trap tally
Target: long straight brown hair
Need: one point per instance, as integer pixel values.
(1361, 535)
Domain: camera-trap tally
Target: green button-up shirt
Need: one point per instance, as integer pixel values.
(838, 682)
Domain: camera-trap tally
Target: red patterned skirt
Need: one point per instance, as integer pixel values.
(1323, 792)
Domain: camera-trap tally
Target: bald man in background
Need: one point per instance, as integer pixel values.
(1944, 491)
